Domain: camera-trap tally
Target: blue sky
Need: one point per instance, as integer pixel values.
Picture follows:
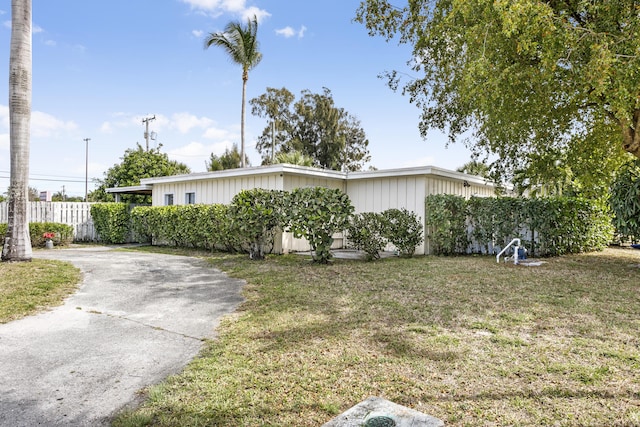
(99, 68)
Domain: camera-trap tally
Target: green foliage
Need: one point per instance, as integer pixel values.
(547, 226)
(294, 158)
(198, 226)
(63, 233)
(366, 233)
(136, 164)
(547, 87)
(316, 214)
(625, 201)
(230, 159)
(446, 224)
(111, 221)
(257, 215)
(240, 42)
(313, 126)
(403, 229)
(475, 167)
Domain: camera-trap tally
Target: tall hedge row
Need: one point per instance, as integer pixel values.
(249, 223)
(547, 226)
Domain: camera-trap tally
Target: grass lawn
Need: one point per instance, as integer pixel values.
(462, 339)
(27, 287)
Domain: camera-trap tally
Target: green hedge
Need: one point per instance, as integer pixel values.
(63, 233)
(111, 221)
(250, 222)
(199, 226)
(547, 226)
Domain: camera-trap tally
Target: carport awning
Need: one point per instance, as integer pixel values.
(145, 189)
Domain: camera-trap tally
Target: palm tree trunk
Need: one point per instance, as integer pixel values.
(17, 243)
(244, 94)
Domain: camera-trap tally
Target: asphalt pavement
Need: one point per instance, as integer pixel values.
(136, 319)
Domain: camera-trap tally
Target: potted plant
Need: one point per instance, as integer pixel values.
(48, 240)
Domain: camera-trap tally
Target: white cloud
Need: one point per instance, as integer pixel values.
(250, 12)
(218, 7)
(4, 116)
(288, 32)
(45, 125)
(4, 142)
(184, 122)
(106, 127)
(50, 43)
(197, 33)
(217, 134)
(7, 24)
(195, 154)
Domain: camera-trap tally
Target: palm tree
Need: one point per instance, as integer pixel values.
(17, 243)
(241, 43)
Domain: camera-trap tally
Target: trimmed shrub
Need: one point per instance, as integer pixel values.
(366, 233)
(625, 201)
(445, 221)
(403, 229)
(316, 214)
(547, 226)
(111, 221)
(63, 233)
(257, 215)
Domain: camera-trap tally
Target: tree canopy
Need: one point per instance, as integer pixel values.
(312, 126)
(529, 82)
(136, 164)
(241, 44)
(230, 159)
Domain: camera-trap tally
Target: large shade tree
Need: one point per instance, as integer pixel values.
(312, 126)
(530, 82)
(17, 243)
(136, 164)
(241, 44)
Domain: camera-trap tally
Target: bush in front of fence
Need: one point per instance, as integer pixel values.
(547, 226)
(62, 233)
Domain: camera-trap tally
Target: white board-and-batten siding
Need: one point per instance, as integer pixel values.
(370, 191)
(213, 191)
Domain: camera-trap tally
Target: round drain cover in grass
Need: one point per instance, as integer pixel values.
(380, 421)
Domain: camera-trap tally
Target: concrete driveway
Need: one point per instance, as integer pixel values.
(136, 319)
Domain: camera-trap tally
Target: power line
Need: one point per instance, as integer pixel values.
(51, 179)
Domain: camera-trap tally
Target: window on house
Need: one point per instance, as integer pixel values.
(189, 198)
(168, 199)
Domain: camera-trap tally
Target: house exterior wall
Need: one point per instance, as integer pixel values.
(377, 194)
(443, 185)
(370, 191)
(213, 191)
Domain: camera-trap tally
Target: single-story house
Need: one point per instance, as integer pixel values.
(369, 191)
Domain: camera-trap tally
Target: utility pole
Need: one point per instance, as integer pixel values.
(86, 169)
(146, 131)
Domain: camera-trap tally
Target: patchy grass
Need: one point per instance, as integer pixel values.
(28, 287)
(463, 339)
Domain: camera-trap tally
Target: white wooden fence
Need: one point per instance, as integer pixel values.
(76, 214)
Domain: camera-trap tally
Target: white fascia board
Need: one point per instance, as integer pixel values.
(420, 171)
(251, 171)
